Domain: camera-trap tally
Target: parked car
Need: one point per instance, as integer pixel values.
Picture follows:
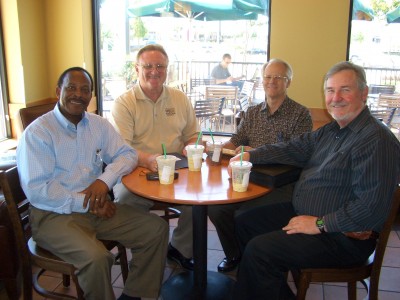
(254, 51)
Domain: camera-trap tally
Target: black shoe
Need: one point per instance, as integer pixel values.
(227, 265)
(126, 297)
(176, 256)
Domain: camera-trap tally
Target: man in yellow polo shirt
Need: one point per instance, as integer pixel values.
(151, 114)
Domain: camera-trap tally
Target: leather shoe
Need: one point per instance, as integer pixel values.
(227, 265)
(176, 256)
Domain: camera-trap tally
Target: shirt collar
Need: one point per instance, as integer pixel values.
(64, 121)
(357, 124)
(140, 95)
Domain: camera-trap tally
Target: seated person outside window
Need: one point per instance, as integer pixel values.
(222, 75)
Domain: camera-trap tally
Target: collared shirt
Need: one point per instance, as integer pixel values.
(219, 72)
(57, 160)
(145, 124)
(259, 126)
(349, 174)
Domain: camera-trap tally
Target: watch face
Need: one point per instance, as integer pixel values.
(320, 222)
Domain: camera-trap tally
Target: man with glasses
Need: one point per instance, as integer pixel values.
(151, 114)
(278, 119)
(222, 75)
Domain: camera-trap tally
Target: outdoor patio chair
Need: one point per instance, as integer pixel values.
(208, 113)
(230, 93)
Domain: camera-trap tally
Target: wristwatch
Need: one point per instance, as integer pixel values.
(320, 224)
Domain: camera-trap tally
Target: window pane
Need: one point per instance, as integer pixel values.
(195, 45)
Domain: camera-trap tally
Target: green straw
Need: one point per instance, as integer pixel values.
(198, 139)
(241, 156)
(211, 135)
(165, 152)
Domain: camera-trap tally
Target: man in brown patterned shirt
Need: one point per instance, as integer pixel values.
(278, 119)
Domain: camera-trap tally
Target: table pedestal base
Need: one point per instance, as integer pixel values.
(180, 287)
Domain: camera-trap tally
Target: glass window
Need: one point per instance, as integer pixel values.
(5, 131)
(375, 40)
(195, 34)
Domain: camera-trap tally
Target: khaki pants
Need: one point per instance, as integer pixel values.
(74, 238)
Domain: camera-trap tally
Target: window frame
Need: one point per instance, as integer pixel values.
(4, 87)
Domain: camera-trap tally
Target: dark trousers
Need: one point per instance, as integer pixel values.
(269, 252)
(223, 216)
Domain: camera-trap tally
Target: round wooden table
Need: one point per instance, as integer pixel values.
(210, 186)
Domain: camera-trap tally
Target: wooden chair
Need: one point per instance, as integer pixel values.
(386, 107)
(381, 89)
(209, 110)
(245, 97)
(31, 113)
(196, 88)
(230, 93)
(30, 253)
(371, 269)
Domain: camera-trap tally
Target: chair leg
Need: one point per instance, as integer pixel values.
(124, 262)
(66, 280)
(11, 288)
(352, 290)
(302, 286)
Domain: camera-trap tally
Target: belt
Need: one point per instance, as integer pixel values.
(362, 235)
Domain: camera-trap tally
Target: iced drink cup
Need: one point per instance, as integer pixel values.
(166, 168)
(214, 151)
(195, 156)
(240, 175)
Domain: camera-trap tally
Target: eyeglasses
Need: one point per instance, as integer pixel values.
(274, 77)
(150, 67)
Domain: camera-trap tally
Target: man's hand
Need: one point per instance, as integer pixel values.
(246, 157)
(302, 224)
(149, 161)
(107, 211)
(96, 195)
(238, 150)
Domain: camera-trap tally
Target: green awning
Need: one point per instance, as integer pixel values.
(208, 10)
(393, 16)
(362, 10)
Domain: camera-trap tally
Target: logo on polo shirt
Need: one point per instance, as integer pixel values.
(170, 111)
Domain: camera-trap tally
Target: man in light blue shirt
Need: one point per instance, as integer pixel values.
(60, 158)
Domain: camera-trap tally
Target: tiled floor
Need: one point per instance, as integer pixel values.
(389, 283)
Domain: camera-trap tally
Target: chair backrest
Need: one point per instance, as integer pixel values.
(247, 89)
(201, 81)
(31, 113)
(246, 95)
(209, 107)
(389, 100)
(230, 93)
(382, 243)
(379, 88)
(17, 207)
(385, 114)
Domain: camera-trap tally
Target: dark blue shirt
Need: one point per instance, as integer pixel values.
(349, 174)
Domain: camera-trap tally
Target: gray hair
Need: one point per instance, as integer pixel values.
(289, 70)
(152, 47)
(346, 65)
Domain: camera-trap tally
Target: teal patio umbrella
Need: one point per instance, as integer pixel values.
(393, 16)
(362, 10)
(206, 10)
